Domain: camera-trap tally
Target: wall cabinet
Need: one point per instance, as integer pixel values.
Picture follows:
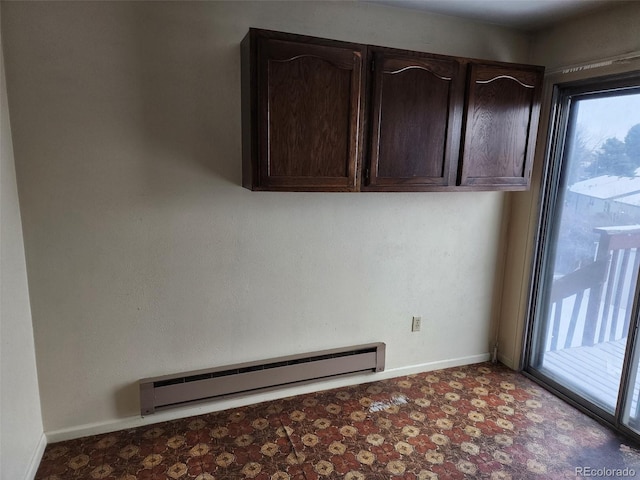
(500, 125)
(416, 106)
(323, 115)
(304, 111)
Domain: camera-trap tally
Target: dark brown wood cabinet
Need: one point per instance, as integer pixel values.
(416, 109)
(324, 115)
(303, 104)
(500, 125)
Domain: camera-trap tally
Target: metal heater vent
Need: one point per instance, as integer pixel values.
(190, 387)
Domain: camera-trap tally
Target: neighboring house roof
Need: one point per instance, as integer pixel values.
(607, 187)
(630, 200)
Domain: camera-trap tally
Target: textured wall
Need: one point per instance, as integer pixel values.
(21, 437)
(605, 33)
(146, 256)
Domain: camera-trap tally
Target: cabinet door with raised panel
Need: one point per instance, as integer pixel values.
(308, 113)
(416, 116)
(501, 123)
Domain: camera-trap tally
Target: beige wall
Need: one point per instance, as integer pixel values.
(21, 435)
(606, 34)
(146, 256)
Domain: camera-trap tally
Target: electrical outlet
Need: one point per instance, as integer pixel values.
(416, 323)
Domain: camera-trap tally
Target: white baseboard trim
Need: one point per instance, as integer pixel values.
(430, 366)
(108, 426)
(36, 458)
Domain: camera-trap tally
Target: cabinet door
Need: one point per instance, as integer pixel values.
(501, 122)
(309, 114)
(416, 119)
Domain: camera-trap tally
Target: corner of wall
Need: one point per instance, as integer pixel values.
(22, 439)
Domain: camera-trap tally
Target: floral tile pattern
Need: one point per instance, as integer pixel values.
(477, 421)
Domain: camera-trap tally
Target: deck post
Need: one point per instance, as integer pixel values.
(595, 296)
(612, 241)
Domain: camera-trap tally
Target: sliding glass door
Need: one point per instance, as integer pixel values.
(631, 406)
(588, 260)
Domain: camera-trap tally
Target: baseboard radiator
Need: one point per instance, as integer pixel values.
(169, 391)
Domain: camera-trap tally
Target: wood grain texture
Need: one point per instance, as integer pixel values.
(308, 113)
(309, 100)
(249, 104)
(415, 109)
(501, 121)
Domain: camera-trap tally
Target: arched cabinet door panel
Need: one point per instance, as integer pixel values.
(415, 120)
(500, 126)
(306, 113)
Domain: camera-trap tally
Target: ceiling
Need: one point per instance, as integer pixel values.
(521, 14)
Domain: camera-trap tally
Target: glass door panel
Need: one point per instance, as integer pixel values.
(592, 249)
(631, 411)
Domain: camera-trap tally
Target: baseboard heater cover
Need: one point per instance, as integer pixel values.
(159, 393)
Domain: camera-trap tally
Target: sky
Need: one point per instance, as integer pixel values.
(603, 118)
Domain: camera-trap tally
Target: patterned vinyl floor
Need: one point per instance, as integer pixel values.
(477, 421)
